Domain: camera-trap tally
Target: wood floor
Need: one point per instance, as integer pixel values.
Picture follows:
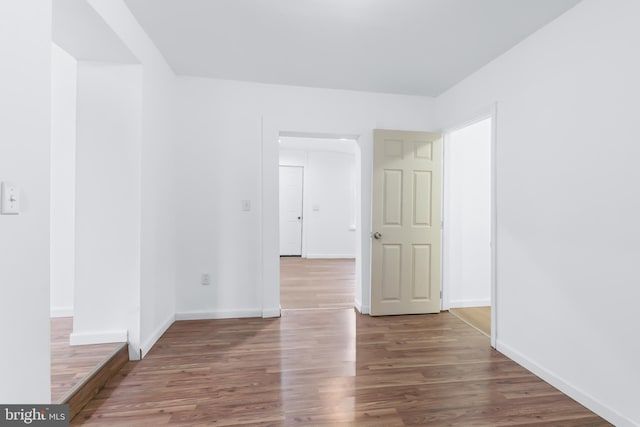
(478, 317)
(329, 368)
(70, 364)
(316, 283)
(323, 365)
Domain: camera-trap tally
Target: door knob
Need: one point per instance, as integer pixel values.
(376, 235)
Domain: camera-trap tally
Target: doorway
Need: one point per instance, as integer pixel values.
(291, 198)
(317, 216)
(467, 229)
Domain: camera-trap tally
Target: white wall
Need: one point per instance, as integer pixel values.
(107, 267)
(229, 152)
(159, 201)
(329, 180)
(25, 115)
(567, 195)
(63, 183)
(467, 216)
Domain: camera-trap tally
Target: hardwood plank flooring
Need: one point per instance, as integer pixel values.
(316, 283)
(70, 364)
(478, 317)
(91, 384)
(321, 368)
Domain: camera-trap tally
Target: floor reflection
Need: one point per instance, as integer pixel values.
(318, 366)
(329, 368)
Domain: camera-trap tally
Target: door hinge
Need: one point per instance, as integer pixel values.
(441, 294)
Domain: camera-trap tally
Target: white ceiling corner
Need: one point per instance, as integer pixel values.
(80, 30)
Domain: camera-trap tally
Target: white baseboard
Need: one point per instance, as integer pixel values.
(362, 309)
(463, 303)
(570, 390)
(330, 256)
(101, 337)
(219, 314)
(271, 312)
(155, 336)
(61, 311)
(134, 352)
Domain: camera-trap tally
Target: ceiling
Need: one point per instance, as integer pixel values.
(415, 47)
(78, 29)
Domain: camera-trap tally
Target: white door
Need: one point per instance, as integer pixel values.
(406, 222)
(291, 210)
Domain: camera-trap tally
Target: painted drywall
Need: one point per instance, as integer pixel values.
(107, 261)
(229, 152)
(567, 201)
(160, 200)
(25, 116)
(63, 180)
(328, 201)
(82, 32)
(467, 216)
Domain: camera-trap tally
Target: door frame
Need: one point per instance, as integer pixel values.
(303, 249)
(271, 127)
(268, 207)
(490, 112)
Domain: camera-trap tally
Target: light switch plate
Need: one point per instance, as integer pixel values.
(10, 199)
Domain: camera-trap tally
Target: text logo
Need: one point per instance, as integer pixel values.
(34, 415)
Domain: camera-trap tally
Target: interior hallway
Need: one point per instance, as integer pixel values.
(316, 283)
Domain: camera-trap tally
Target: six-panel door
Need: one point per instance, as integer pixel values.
(406, 203)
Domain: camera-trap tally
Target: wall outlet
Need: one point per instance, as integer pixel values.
(205, 279)
(246, 205)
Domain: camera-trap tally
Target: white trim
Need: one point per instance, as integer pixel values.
(494, 225)
(481, 114)
(331, 256)
(463, 303)
(570, 390)
(358, 305)
(444, 290)
(271, 312)
(155, 336)
(219, 314)
(362, 308)
(98, 337)
(319, 135)
(271, 129)
(61, 311)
